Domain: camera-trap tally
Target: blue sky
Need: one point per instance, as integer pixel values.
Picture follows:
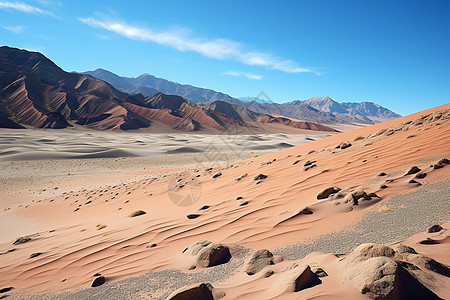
(395, 53)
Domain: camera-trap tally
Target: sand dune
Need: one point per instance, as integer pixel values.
(67, 144)
(88, 230)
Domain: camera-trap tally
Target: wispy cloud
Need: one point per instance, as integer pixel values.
(248, 75)
(23, 7)
(15, 29)
(183, 40)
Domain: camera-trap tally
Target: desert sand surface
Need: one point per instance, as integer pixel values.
(141, 229)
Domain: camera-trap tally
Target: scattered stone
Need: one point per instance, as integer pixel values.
(199, 291)
(429, 241)
(239, 198)
(344, 145)
(415, 182)
(435, 228)
(243, 203)
(381, 174)
(373, 195)
(97, 274)
(438, 166)
(309, 167)
(358, 195)
(306, 211)
(240, 178)
(296, 162)
(98, 281)
(327, 192)
(5, 290)
(217, 175)
(204, 207)
(258, 261)
(151, 246)
(22, 240)
(137, 213)
(260, 177)
(213, 255)
(444, 161)
(421, 175)
(383, 186)
(309, 163)
(269, 273)
(413, 170)
(36, 254)
(192, 216)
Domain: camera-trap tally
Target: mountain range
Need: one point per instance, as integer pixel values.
(34, 91)
(319, 109)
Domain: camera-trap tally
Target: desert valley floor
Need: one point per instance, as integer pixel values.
(184, 213)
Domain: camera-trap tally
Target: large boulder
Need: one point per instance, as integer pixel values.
(200, 291)
(327, 192)
(413, 170)
(213, 255)
(258, 261)
(195, 248)
(370, 250)
(383, 278)
(298, 278)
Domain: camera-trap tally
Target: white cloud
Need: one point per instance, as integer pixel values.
(183, 40)
(23, 7)
(248, 75)
(15, 29)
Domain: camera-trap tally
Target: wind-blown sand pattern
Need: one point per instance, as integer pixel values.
(265, 202)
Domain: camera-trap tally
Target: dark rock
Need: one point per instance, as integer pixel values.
(260, 177)
(204, 207)
(430, 264)
(98, 281)
(299, 278)
(295, 162)
(97, 274)
(444, 161)
(200, 291)
(213, 255)
(438, 166)
(5, 290)
(33, 255)
(415, 182)
(152, 245)
(345, 145)
(373, 195)
(309, 163)
(193, 216)
(243, 203)
(22, 240)
(306, 211)
(383, 186)
(413, 170)
(381, 174)
(421, 175)
(217, 175)
(309, 167)
(327, 192)
(435, 228)
(239, 198)
(268, 273)
(429, 241)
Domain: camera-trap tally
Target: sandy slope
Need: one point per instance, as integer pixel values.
(69, 232)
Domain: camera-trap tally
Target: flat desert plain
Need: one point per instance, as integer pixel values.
(356, 215)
